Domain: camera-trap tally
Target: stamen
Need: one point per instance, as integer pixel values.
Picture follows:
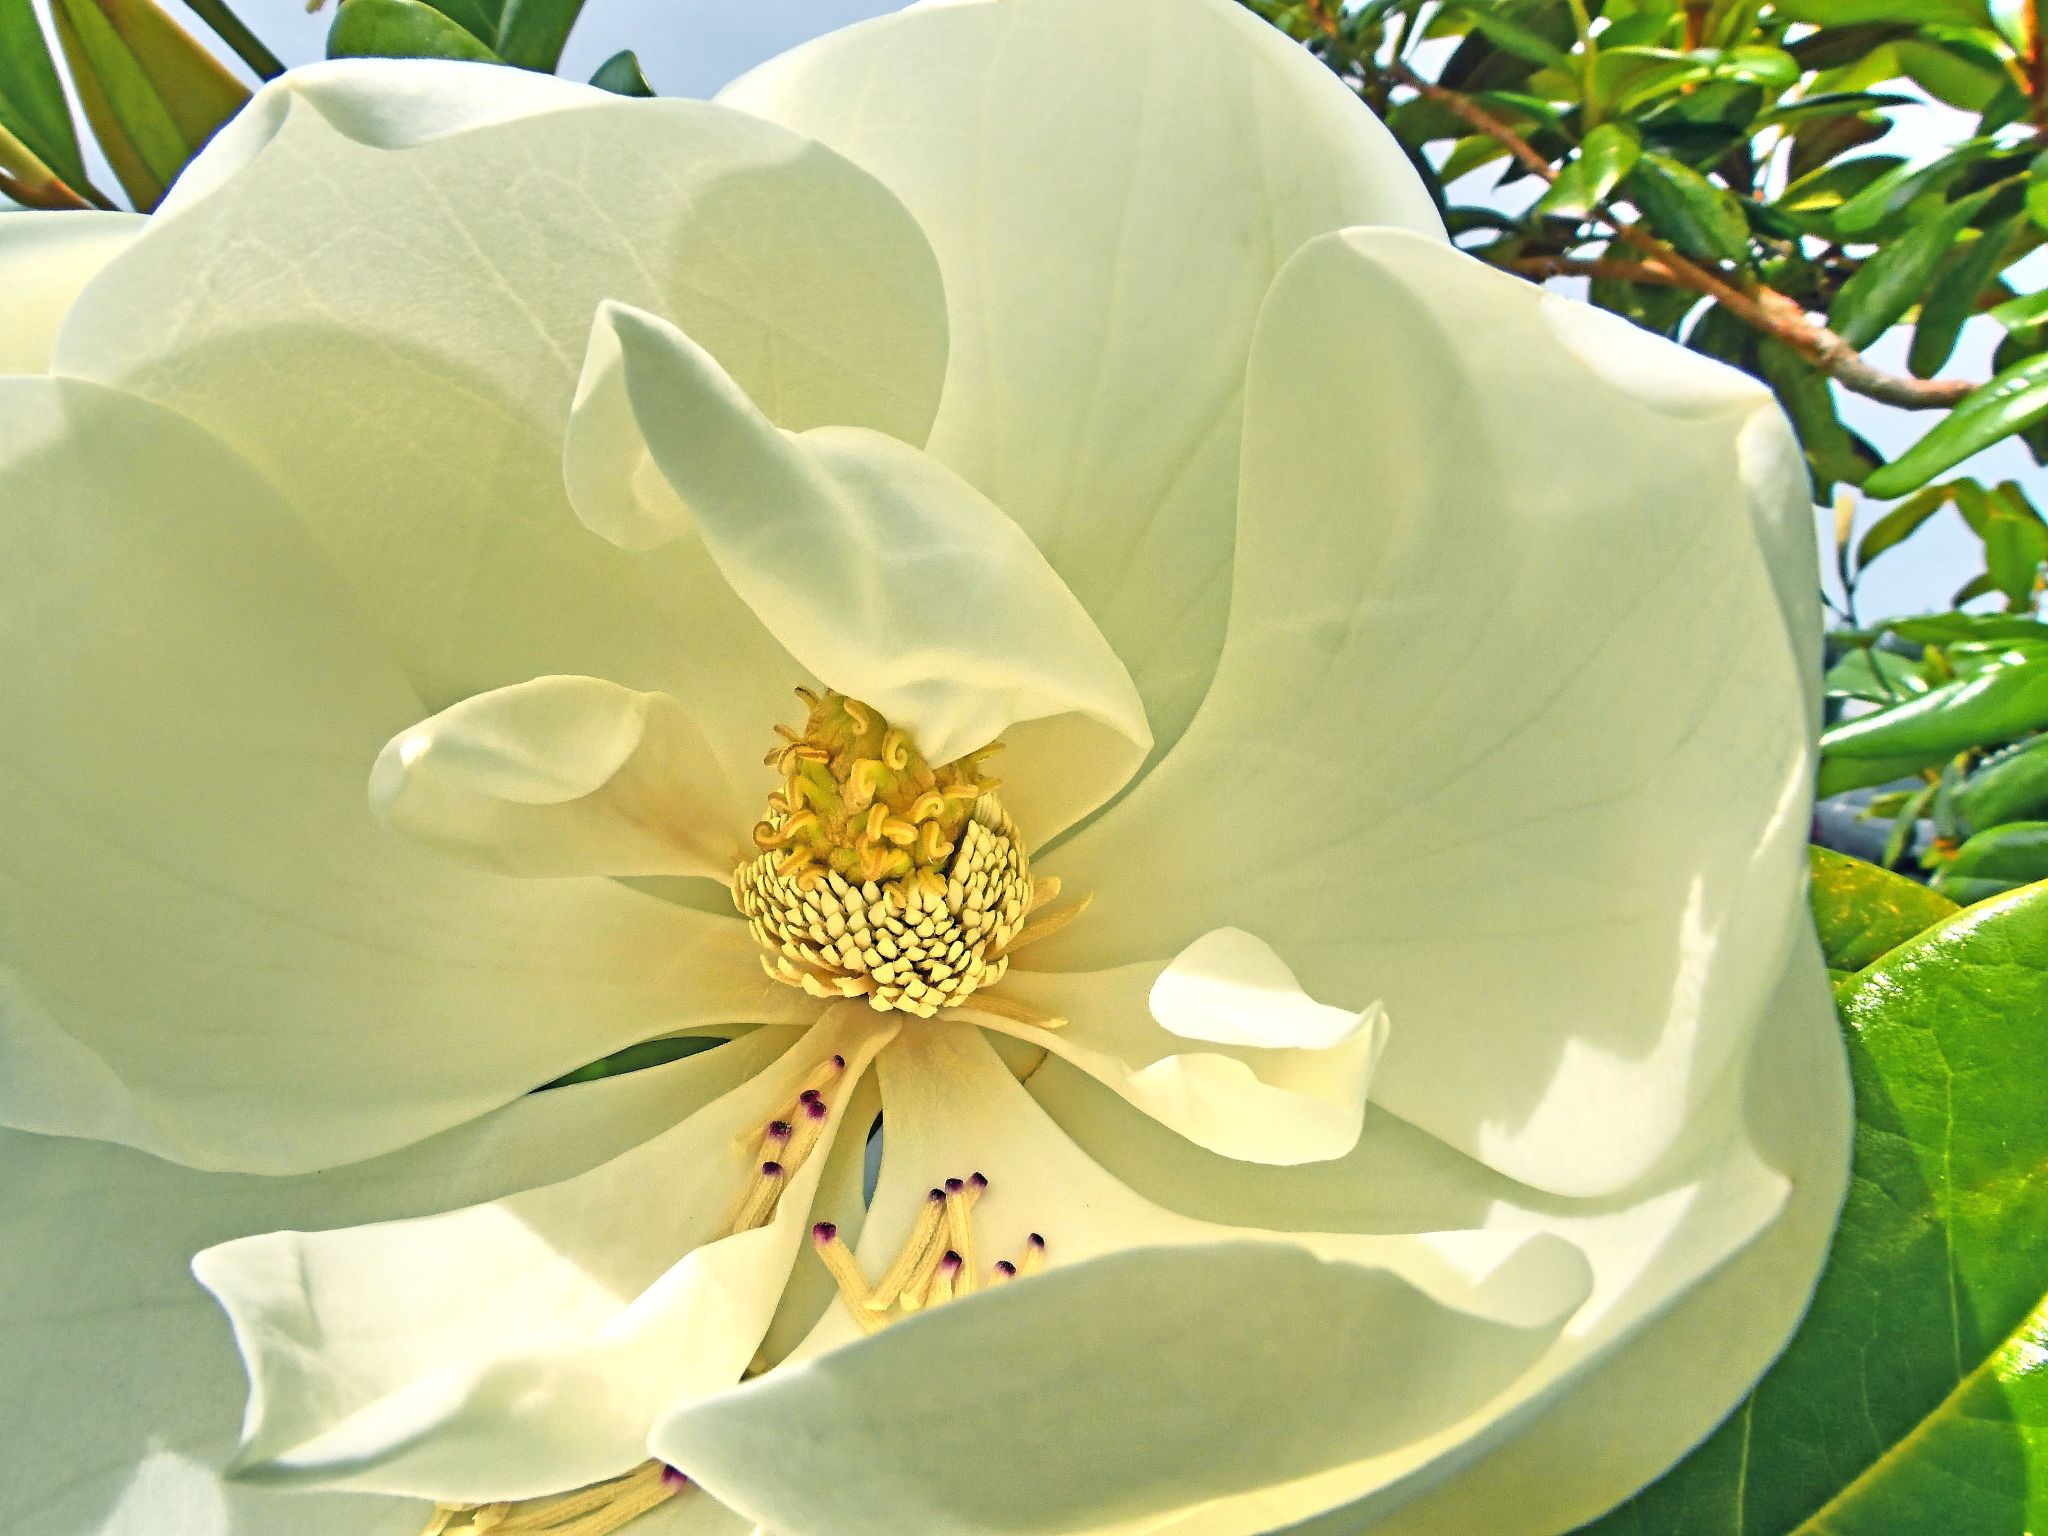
(845, 1271)
(598, 1510)
(809, 1129)
(1004, 1272)
(960, 1227)
(1034, 1255)
(922, 1236)
(943, 1278)
(759, 1198)
(1012, 1008)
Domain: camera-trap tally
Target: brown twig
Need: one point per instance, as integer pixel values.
(1760, 307)
(1544, 267)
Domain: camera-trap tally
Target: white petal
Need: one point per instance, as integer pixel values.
(124, 1393)
(1512, 729)
(1699, 1278)
(209, 947)
(1161, 1362)
(382, 298)
(1110, 189)
(524, 1347)
(564, 776)
(883, 573)
(45, 258)
(1286, 1083)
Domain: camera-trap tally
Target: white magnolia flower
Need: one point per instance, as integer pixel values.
(413, 534)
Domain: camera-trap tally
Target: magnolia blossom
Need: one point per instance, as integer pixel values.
(1290, 812)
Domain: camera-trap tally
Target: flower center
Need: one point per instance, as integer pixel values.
(881, 876)
(938, 1261)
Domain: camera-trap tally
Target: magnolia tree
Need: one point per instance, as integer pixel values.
(1053, 776)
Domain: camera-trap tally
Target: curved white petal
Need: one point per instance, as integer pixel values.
(1700, 1275)
(380, 292)
(882, 572)
(209, 947)
(45, 258)
(1110, 189)
(1512, 729)
(1286, 1081)
(124, 1393)
(524, 1347)
(1204, 1355)
(564, 776)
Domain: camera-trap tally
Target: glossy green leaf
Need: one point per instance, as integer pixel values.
(1900, 523)
(2014, 548)
(2006, 787)
(1700, 218)
(1891, 281)
(479, 18)
(1511, 36)
(2009, 403)
(1867, 211)
(401, 29)
(32, 105)
(1914, 1399)
(1952, 296)
(1862, 911)
(534, 31)
(2016, 851)
(1942, 628)
(620, 74)
(1879, 677)
(152, 94)
(1951, 70)
(1999, 706)
(1846, 13)
(1968, 890)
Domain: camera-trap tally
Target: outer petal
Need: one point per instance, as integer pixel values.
(1206, 1360)
(1285, 1081)
(123, 1389)
(45, 258)
(883, 573)
(1700, 1275)
(524, 1347)
(1110, 189)
(208, 947)
(564, 776)
(1562, 837)
(382, 299)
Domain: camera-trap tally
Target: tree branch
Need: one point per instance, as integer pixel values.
(1761, 308)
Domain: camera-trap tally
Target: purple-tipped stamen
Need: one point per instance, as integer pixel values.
(816, 1110)
(810, 1096)
(838, 1062)
(778, 1130)
(955, 1186)
(1035, 1241)
(949, 1261)
(771, 1170)
(978, 1182)
(824, 1232)
(1006, 1269)
(671, 1478)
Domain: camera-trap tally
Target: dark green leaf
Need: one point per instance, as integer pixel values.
(1866, 212)
(637, 1058)
(1968, 890)
(1844, 13)
(401, 29)
(1952, 296)
(1700, 218)
(1998, 706)
(2009, 403)
(620, 74)
(1876, 676)
(1951, 71)
(1940, 628)
(1510, 35)
(1891, 281)
(1900, 523)
(1833, 452)
(1913, 1401)
(479, 18)
(1861, 911)
(533, 32)
(2013, 551)
(2006, 787)
(32, 105)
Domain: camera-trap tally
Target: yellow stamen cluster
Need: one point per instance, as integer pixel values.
(881, 877)
(937, 1263)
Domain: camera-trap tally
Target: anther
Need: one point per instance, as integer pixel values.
(960, 1227)
(759, 1198)
(845, 1271)
(810, 1126)
(1034, 1255)
(1003, 1272)
(944, 1278)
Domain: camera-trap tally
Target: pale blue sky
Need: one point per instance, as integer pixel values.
(691, 47)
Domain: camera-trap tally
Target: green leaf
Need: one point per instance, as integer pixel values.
(1997, 706)
(1878, 677)
(151, 93)
(2016, 851)
(1913, 1401)
(1952, 296)
(1861, 911)
(1509, 35)
(1890, 282)
(1890, 193)
(1900, 523)
(32, 105)
(1833, 452)
(1968, 890)
(1941, 628)
(637, 1058)
(2006, 787)
(2011, 402)
(1609, 153)
(2014, 548)
(533, 32)
(479, 18)
(620, 74)
(401, 29)
(1700, 218)
(1846, 13)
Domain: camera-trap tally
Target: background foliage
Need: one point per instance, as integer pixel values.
(1717, 171)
